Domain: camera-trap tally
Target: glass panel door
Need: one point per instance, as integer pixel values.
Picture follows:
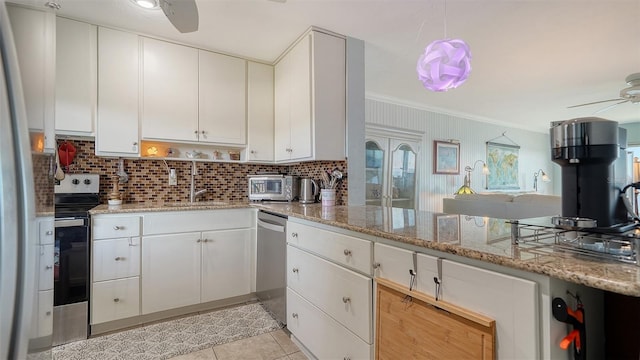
(403, 175)
(374, 168)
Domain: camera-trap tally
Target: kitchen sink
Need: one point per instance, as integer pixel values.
(196, 203)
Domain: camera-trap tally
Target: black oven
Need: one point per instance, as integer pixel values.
(75, 195)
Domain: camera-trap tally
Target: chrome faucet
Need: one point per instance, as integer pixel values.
(193, 193)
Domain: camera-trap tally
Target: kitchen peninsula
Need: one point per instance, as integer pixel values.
(492, 271)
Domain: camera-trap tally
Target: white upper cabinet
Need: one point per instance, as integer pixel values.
(222, 94)
(260, 112)
(118, 93)
(170, 91)
(310, 100)
(75, 109)
(34, 32)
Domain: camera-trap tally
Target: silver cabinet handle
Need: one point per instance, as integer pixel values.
(294, 315)
(206, 240)
(202, 132)
(346, 299)
(199, 240)
(116, 300)
(347, 252)
(119, 258)
(253, 151)
(48, 267)
(295, 270)
(48, 313)
(195, 132)
(376, 265)
(295, 235)
(135, 143)
(118, 227)
(49, 232)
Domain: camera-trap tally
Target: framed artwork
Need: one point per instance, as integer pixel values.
(446, 157)
(448, 228)
(498, 230)
(502, 161)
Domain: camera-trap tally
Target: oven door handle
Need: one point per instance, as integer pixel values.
(68, 223)
(270, 226)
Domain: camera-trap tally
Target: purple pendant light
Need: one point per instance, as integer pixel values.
(445, 64)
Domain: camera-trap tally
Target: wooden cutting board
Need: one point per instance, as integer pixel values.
(420, 327)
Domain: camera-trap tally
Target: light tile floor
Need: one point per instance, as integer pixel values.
(275, 345)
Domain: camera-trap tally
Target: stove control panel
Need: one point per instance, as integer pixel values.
(79, 184)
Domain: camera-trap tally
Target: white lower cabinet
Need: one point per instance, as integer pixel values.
(170, 271)
(226, 264)
(321, 334)
(115, 299)
(45, 313)
(325, 296)
(393, 263)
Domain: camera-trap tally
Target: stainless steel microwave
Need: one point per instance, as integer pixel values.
(273, 187)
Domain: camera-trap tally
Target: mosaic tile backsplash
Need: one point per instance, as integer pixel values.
(149, 179)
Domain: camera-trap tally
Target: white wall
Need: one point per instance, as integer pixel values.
(473, 135)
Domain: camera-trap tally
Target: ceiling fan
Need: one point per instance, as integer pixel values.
(183, 14)
(629, 94)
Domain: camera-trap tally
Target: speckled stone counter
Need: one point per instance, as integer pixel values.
(471, 237)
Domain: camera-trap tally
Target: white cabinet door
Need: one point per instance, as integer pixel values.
(510, 301)
(282, 110)
(75, 77)
(170, 91)
(118, 93)
(45, 313)
(170, 271)
(393, 263)
(300, 100)
(34, 33)
(116, 258)
(260, 112)
(226, 264)
(222, 94)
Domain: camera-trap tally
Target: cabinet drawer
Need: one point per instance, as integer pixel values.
(106, 227)
(45, 267)
(46, 232)
(205, 220)
(427, 270)
(511, 301)
(116, 258)
(45, 313)
(306, 321)
(393, 263)
(115, 299)
(345, 250)
(342, 294)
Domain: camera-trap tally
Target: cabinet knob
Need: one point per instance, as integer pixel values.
(202, 132)
(295, 235)
(253, 151)
(376, 265)
(196, 132)
(347, 252)
(116, 300)
(135, 143)
(118, 227)
(49, 232)
(48, 313)
(294, 315)
(119, 258)
(199, 240)
(346, 299)
(48, 267)
(295, 270)
(205, 240)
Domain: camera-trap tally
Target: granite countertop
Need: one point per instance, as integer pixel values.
(458, 234)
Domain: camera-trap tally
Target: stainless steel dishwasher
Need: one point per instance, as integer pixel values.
(271, 265)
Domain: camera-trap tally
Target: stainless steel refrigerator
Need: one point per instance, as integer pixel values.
(26, 211)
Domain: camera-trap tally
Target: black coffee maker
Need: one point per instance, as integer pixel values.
(591, 152)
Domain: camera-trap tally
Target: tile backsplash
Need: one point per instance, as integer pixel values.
(149, 179)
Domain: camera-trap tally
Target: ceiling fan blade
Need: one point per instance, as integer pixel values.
(595, 102)
(610, 106)
(183, 14)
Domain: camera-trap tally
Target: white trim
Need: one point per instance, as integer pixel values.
(419, 106)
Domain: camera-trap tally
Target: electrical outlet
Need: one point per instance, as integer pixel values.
(173, 178)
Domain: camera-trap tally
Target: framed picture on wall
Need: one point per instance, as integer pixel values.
(446, 157)
(448, 228)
